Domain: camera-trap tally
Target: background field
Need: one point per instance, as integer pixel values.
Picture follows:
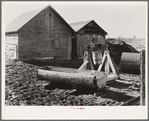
(137, 43)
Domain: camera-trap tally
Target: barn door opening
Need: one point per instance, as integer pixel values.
(74, 48)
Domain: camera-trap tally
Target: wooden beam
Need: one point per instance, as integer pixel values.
(133, 101)
(101, 65)
(92, 27)
(91, 64)
(142, 81)
(88, 60)
(84, 66)
(111, 64)
(107, 67)
(91, 30)
(107, 61)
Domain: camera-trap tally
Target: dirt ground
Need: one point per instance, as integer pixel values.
(22, 87)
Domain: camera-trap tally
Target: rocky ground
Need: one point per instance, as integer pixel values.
(22, 87)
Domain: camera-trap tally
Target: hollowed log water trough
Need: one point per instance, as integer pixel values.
(81, 77)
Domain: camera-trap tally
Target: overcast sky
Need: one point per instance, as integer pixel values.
(118, 19)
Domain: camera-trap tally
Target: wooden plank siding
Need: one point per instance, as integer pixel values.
(11, 39)
(46, 35)
(63, 47)
(82, 41)
(85, 39)
(85, 32)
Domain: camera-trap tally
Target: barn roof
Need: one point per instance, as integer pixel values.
(77, 26)
(24, 18)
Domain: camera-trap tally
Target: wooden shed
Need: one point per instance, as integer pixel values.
(42, 33)
(85, 31)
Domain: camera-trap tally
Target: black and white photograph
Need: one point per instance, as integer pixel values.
(74, 60)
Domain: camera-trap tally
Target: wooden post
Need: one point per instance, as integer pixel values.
(142, 83)
(88, 63)
(106, 58)
(107, 66)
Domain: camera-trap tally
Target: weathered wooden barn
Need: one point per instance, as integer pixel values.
(84, 32)
(37, 34)
(43, 33)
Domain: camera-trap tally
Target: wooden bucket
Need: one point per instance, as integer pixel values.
(97, 57)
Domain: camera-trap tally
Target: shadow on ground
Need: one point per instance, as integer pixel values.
(119, 85)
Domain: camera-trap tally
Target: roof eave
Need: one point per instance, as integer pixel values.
(11, 32)
(84, 26)
(105, 33)
(101, 28)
